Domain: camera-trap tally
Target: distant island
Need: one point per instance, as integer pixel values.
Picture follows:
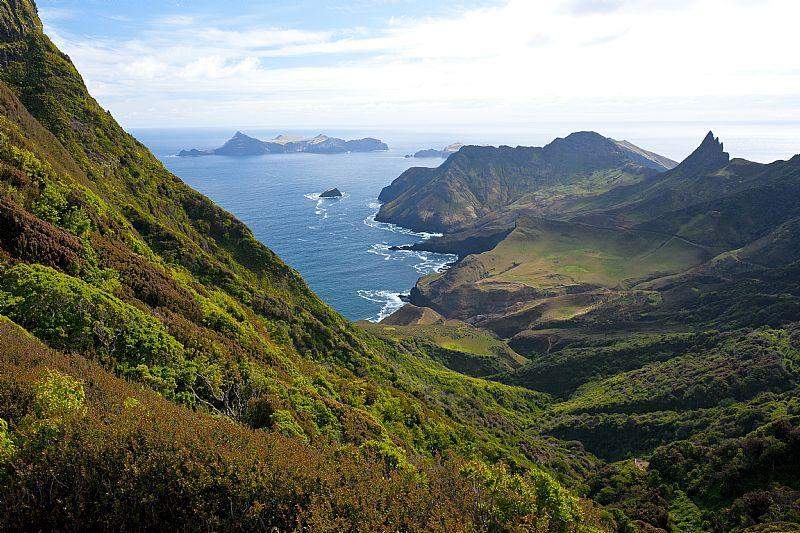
(433, 152)
(244, 145)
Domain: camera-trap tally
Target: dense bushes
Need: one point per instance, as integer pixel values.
(563, 371)
(29, 238)
(118, 457)
(73, 315)
(171, 292)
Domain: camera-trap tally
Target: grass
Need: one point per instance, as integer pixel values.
(455, 336)
(547, 254)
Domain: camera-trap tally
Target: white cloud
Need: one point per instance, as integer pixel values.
(524, 60)
(215, 67)
(176, 20)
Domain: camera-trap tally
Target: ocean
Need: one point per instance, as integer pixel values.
(335, 244)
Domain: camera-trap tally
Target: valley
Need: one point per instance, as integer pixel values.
(642, 307)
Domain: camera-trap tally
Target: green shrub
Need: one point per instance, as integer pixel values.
(392, 456)
(6, 444)
(284, 423)
(59, 397)
(57, 205)
(538, 500)
(67, 312)
(71, 314)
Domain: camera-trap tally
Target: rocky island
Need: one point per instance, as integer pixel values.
(194, 152)
(331, 193)
(244, 145)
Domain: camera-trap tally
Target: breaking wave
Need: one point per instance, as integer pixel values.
(321, 208)
(391, 302)
(428, 262)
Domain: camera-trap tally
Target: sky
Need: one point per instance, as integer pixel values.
(421, 64)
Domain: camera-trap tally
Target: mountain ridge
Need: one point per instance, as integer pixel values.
(478, 180)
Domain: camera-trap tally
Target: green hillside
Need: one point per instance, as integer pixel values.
(190, 374)
(629, 362)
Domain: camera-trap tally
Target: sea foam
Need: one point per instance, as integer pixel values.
(423, 262)
(391, 302)
(429, 262)
(394, 228)
(321, 208)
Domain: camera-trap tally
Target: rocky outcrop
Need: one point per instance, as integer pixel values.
(411, 315)
(709, 156)
(331, 193)
(443, 153)
(462, 244)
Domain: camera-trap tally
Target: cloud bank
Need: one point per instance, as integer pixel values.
(516, 62)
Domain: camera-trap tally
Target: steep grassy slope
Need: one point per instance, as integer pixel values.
(456, 345)
(110, 260)
(570, 267)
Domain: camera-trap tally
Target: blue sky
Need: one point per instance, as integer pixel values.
(412, 63)
(121, 19)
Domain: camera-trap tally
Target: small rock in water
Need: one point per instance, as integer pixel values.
(331, 193)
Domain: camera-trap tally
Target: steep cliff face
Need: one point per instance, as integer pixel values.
(476, 181)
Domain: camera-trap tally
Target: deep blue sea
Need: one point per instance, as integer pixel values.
(335, 244)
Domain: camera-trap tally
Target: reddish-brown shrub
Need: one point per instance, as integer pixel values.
(29, 238)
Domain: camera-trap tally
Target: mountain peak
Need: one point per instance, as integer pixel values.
(581, 140)
(585, 135)
(584, 138)
(711, 140)
(709, 156)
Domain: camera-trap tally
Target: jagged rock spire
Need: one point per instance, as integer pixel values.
(709, 156)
